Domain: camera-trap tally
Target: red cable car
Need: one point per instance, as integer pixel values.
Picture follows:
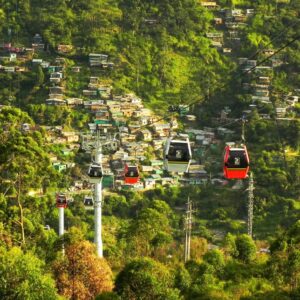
(236, 162)
(61, 200)
(131, 174)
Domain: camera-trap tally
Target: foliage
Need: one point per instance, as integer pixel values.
(23, 276)
(145, 278)
(81, 273)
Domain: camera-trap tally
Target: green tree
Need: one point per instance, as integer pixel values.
(145, 278)
(246, 249)
(23, 277)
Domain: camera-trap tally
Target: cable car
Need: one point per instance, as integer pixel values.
(88, 202)
(178, 155)
(95, 173)
(236, 162)
(61, 200)
(132, 175)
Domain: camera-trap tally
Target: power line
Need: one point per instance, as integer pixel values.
(250, 205)
(188, 230)
(237, 75)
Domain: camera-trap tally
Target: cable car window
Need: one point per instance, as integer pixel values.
(237, 159)
(179, 152)
(132, 172)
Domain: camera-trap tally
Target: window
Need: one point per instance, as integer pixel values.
(179, 152)
(237, 159)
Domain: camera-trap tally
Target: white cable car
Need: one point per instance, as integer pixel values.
(88, 202)
(95, 173)
(178, 155)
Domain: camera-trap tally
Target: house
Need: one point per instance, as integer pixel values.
(55, 101)
(59, 166)
(45, 64)
(56, 77)
(268, 52)
(94, 80)
(127, 112)
(70, 137)
(38, 47)
(107, 65)
(232, 25)
(196, 171)
(78, 185)
(218, 181)
(215, 36)
(76, 69)
(262, 99)
(147, 168)
(144, 121)
(149, 183)
(26, 126)
(56, 90)
(60, 61)
(264, 80)
(37, 39)
(96, 59)
(218, 21)
(233, 13)
(56, 96)
(133, 127)
(66, 151)
(9, 69)
(64, 48)
(250, 11)
(120, 154)
(89, 93)
(232, 35)
(216, 44)
(292, 100)
(226, 50)
(162, 129)
(150, 21)
(36, 61)
(224, 131)
(144, 135)
(209, 4)
(280, 111)
(12, 57)
(156, 162)
(240, 18)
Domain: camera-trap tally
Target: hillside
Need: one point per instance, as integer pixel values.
(129, 75)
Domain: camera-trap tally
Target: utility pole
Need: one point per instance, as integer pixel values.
(61, 225)
(188, 231)
(96, 143)
(250, 204)
(98, 205)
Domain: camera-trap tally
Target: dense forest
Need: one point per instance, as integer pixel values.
(171, 54)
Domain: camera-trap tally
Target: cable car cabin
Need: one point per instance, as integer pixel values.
(236, 162)
(178, 155)
(95, 173)
(88, 202)
(132, 175)
(61, 200)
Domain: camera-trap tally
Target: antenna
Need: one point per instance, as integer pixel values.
(250, 204)
(188, 231)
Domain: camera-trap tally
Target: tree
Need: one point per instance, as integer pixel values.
(246, 249)
(215, 258)
(81, 274)
(293, 268)
(23, 277)
(145, 279)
